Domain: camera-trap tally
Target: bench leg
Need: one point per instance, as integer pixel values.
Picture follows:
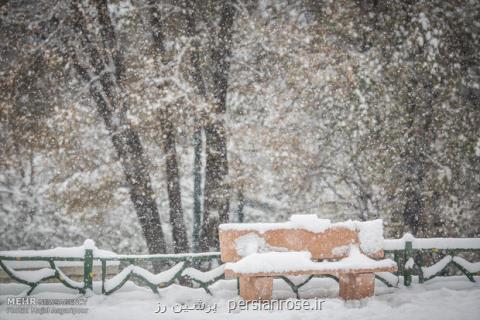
(256, 288)
(355, 286)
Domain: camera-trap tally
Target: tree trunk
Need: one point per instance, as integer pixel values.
(106, 92)
(417, 148)
(180, 240)
(130, 151)
(177, 221)
(216, 193)
(241, 206)
(197, 188)
(216, 201)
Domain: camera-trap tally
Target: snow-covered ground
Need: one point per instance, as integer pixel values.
(441, 298)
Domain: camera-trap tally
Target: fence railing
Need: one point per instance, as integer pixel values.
(411, 255)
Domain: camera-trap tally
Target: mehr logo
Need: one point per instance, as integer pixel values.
(21, 300)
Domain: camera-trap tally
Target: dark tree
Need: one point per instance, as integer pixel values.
(99, 62)
(212, 83)
(217, 202)
(197, 188)
(177, 221)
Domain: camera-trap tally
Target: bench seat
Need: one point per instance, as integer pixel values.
(300, 263)
(355, 272)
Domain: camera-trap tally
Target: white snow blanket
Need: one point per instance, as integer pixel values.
(439, 299)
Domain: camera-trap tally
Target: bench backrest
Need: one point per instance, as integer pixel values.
(236, 240)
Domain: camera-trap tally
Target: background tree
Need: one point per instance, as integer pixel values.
(98, 60)
(179, 232)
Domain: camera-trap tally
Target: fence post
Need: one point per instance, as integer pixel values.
(88, 265)
(104, 275)
(396, 258)
(407, 270)
(419, 262)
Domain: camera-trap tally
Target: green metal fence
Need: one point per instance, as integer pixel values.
(408, 252)
(427, 258)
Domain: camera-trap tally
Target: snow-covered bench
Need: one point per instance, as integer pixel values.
(257, 252)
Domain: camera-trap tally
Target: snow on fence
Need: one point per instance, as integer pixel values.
(412, 250)
(31, 267)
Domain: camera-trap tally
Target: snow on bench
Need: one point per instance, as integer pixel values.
(369, 233)
(300, 263)
(257, 252)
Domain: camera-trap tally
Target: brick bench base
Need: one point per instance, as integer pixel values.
(354, 284)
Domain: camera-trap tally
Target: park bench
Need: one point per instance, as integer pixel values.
(255, 253)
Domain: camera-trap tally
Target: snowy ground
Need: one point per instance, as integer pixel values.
(441, 298)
